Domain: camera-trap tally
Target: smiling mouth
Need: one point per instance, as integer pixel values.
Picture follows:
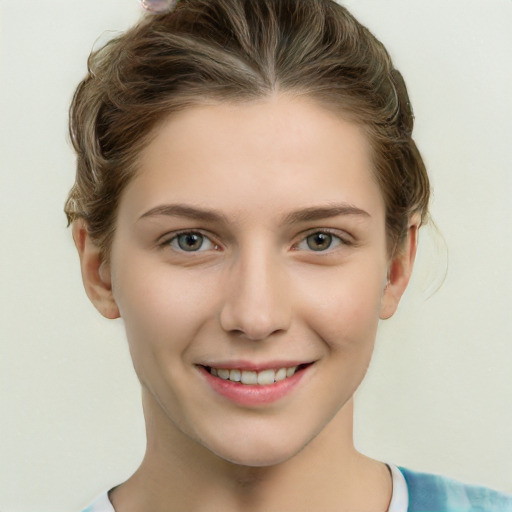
(254, 378)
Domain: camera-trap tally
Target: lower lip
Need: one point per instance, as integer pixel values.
(251, 395)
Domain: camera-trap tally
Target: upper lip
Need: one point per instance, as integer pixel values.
(255, 366)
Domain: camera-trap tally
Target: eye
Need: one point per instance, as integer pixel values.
(320, 241)
(191, 242)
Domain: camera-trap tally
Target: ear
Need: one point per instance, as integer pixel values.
(399, 271)
(95, 272)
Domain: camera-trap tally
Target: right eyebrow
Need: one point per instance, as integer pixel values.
(182, 210)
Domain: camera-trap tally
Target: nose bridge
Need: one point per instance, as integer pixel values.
(256, 298)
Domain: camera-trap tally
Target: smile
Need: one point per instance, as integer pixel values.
(254, 378)
(255, 387)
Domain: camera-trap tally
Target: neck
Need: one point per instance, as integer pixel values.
(178, 473)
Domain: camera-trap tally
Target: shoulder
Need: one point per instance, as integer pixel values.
(102, 504)
(434, 493)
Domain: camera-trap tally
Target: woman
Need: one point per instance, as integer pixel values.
(248, 199)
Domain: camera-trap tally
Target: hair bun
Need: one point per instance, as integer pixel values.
(158, 6)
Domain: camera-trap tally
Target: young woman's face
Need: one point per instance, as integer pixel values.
(251, 246)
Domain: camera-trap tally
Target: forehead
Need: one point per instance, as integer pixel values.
(272, 153)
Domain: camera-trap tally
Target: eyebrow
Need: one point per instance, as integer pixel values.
(305, 215)
(182, 210)
(324, 212)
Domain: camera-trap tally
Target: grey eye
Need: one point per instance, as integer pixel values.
(319, 241)
(191, 242)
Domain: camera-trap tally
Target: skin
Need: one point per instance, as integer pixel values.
(274, 173)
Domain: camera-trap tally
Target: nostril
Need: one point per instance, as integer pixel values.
(253, 311)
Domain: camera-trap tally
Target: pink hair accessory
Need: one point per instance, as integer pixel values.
(158, 6)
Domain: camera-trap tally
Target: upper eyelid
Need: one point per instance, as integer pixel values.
(166, 238)
(169, 235)
(345, 242)
(341, 234)
(344, 236)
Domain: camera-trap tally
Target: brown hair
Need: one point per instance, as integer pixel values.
(238, 50)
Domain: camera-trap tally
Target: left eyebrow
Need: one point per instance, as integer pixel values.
(324, 212)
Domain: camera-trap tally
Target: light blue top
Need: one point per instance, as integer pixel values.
(434, 493)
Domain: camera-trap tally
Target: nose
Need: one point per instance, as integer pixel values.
(256, 298)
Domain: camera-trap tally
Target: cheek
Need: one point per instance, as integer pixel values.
(160, 308)
(344, 309)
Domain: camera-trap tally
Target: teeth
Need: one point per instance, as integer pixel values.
(266, 377)
(223, 374)
(235, 375)
(251, 378)
(280, 374)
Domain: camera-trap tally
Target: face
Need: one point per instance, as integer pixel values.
(249, 265)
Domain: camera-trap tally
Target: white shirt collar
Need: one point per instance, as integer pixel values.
(400, 496)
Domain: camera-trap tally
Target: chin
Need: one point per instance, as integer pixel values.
(256, 459)
(258, 452)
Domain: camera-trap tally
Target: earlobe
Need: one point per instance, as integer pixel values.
(399, 273)
(95, 272)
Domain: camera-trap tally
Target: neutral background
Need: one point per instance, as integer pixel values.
(438, 396)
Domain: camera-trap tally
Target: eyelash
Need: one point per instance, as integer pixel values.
(335, 239)
(175, 239)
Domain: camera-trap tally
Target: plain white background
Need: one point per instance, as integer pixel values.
(438, 396)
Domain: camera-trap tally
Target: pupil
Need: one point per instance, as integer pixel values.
(319, 241)
(190, 241)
